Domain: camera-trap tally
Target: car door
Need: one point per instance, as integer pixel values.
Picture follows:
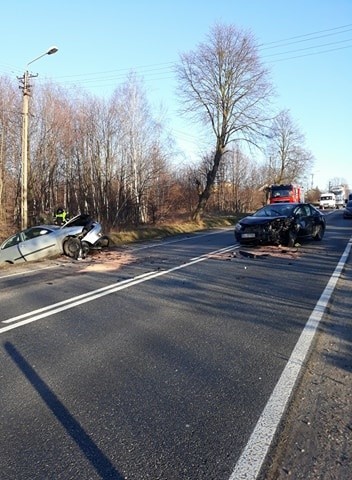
(10, 251)
(303, 218)
(38, 242)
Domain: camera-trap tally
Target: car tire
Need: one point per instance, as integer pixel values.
(71, 247)
(319, 234)
(85, 248)
(291, 238)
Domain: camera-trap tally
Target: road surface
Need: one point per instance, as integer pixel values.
(158, 369)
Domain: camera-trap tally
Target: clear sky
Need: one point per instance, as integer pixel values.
(307, 44)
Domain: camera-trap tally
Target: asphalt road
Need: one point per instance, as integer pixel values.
(157, 370)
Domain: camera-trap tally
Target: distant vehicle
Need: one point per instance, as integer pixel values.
(327, 200)
(286, 193)
(281, 223)
(347, 213)
(350, 197)
(340, 195)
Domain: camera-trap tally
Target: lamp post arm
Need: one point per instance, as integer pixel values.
(51, 51)
(40, 56)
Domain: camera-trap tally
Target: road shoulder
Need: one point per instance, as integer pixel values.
(315, 440)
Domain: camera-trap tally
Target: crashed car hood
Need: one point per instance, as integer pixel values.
(260, 220)
(81, 220)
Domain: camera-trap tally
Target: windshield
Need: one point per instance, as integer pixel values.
(275, 210)
(281, 192)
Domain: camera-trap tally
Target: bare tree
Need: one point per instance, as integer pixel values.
(224, 84)
(288, 157)
(142, 161)
(10, 121)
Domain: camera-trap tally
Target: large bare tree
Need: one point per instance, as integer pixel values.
(224, 84)
(288, 157)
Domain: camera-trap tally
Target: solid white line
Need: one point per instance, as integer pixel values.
(69, 300)
(88, 297)
(251, 460)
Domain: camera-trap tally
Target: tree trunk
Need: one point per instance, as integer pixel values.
(205, 194)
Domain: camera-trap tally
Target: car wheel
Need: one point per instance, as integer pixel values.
(319, 234)
(85, 248)
(291, 238)
(71, 247)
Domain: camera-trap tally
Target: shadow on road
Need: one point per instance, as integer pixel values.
(96, 457)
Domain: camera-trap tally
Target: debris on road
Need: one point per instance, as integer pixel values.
(259, 252)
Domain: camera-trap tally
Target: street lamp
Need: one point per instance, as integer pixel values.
(24, 183)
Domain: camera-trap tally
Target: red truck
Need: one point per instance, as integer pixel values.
(286, 193)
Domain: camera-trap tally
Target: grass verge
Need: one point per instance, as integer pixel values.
(171, 229)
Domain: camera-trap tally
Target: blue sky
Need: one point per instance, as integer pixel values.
(101, 41)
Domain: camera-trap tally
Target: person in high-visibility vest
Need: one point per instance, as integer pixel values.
(60, 216)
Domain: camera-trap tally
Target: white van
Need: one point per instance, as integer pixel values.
(327, 200)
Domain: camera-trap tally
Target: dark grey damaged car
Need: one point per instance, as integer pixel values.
(281, 224)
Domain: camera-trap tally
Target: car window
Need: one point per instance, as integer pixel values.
(14, 240)
(306, 210)
(35, 232)
(299, 212)
(274, 210)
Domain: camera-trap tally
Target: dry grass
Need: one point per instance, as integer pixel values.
(167, 230)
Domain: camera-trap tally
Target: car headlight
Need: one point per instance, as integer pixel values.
(238, 227)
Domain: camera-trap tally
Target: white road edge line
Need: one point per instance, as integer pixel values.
(252, 458)
(95, 294)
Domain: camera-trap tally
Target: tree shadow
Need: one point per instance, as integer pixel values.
(92, 452)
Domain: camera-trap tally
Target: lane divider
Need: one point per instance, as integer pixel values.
(49, 310)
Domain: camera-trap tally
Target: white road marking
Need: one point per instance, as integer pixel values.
(164, 242)
(35, 315)
(252, 458)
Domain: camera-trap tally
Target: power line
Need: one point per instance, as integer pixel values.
(310, 54)
(149, 71)
(308, 48)
(122, 71)
(267, 45)
(165, 71)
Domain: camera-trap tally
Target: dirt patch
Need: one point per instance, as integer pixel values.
(104, 260)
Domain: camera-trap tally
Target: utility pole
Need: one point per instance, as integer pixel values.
(24, 174)
(25, 167)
